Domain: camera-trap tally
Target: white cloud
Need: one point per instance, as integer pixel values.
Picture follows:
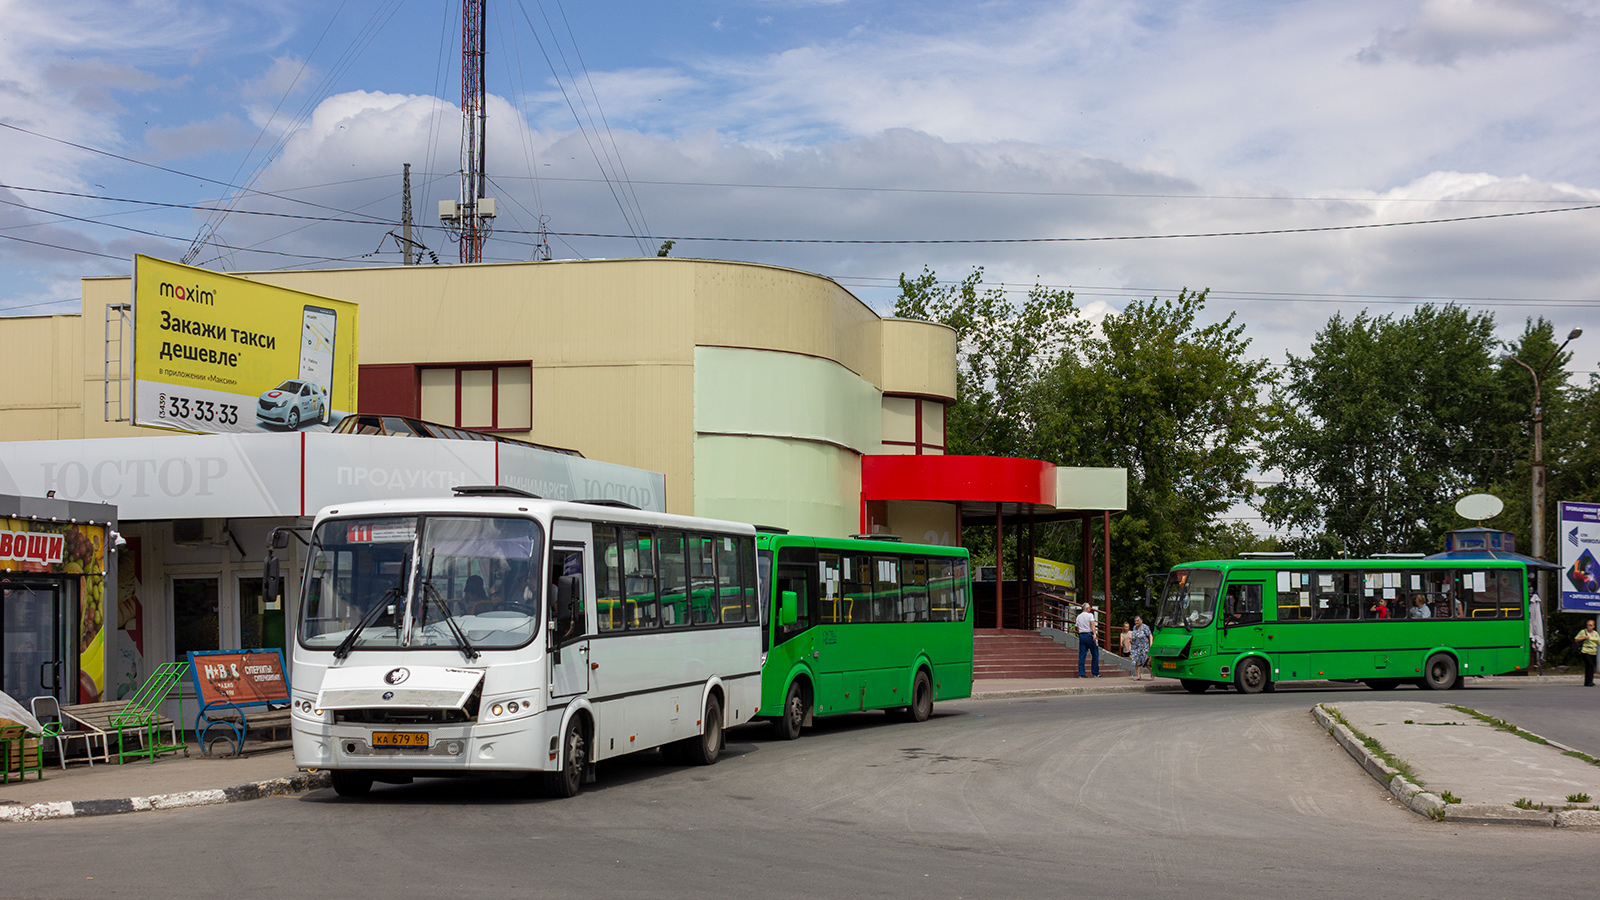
(1444, 31)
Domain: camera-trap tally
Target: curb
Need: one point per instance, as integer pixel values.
(77, 809)
(1432, 806)
(1152, 688)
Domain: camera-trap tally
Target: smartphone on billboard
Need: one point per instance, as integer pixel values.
(316, 354)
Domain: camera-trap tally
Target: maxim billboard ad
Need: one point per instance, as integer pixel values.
(217, 353)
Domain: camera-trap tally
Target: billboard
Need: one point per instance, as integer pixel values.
(1579, 528)
(218, 353)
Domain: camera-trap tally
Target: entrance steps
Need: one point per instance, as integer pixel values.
(1028, 654)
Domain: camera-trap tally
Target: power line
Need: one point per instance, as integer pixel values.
(1112, 195)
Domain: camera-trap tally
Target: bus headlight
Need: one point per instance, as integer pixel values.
(497, 710)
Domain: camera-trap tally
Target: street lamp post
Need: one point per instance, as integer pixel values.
(1538, 473)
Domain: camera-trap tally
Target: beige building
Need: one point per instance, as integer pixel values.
(755, 390)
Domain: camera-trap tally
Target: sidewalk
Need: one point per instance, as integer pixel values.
(172, 781)
(1006, 688)
(1451, 765)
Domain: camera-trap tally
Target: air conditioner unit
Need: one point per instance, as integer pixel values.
(199, 532)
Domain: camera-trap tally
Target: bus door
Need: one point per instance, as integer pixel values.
(797, 572)
(569, 586)
(1240, 628)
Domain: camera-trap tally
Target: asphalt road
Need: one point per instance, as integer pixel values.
(1125, 795)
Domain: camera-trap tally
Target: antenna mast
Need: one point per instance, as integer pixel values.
(469, 218)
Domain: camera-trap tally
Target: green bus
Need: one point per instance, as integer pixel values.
(1255, 622)
(858, 624)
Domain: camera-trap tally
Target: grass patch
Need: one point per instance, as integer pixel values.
(1448, 797)
(1377, 749)
(1503, 725)
(1500, 725)
(1579, 754)
(1578, 798)
(1525, 803)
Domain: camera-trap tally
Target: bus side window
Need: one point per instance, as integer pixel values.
(728, 602)
(830, 602)
(1294, 596)
(1441, 595)
(639, 578)
(608, 580)
(1511, 593)
(749, 582)
(885, 589)
(1480, 595)
(857, 589)
(674, 580)
(915, 593)
(1243, 605)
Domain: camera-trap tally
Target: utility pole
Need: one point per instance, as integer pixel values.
(405, 219)
(469, 217)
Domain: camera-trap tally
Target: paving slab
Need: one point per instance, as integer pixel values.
(1490, 769)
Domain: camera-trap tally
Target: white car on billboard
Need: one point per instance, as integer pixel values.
(293, 404)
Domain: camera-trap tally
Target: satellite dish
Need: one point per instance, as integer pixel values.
(1479, 506)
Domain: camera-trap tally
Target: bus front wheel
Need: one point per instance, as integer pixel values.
(351, 784)
(1440, 672)
(1195, 687)
(1251, 677)
(575, 755)
(794, 713)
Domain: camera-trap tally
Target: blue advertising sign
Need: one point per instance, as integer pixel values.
(1580, 543)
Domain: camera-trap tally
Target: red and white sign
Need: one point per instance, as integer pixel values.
(25, 547)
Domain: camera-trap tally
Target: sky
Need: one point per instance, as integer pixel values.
(1294, 158)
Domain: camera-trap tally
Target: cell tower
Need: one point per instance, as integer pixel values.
(468, 219)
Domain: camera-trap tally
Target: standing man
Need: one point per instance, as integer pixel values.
(1086, 644)
(1588, 647)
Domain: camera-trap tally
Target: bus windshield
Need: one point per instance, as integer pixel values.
(1189, 599)
(422, 582)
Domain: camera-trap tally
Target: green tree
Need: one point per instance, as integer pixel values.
(1181, 407)
(1002, 349)
(1383, 426)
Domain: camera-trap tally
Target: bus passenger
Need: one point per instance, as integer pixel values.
(1419, 607)
(1381, 609)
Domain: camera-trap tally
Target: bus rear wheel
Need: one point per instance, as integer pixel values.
(921, 697)
(1195, 687)
(704, 750)
(1440, 672)
(351, 784)
(794, 713)
(1251, 676)
(1383, 684)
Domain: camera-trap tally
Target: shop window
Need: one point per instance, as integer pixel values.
(260, 620)
(485, 397)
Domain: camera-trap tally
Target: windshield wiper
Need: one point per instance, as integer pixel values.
(394, 593)
(428, 590)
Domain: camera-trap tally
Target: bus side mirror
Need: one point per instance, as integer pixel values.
(280, 538)
(271, 580)
(788, 606)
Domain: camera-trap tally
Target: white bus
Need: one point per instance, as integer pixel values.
(495, 632)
